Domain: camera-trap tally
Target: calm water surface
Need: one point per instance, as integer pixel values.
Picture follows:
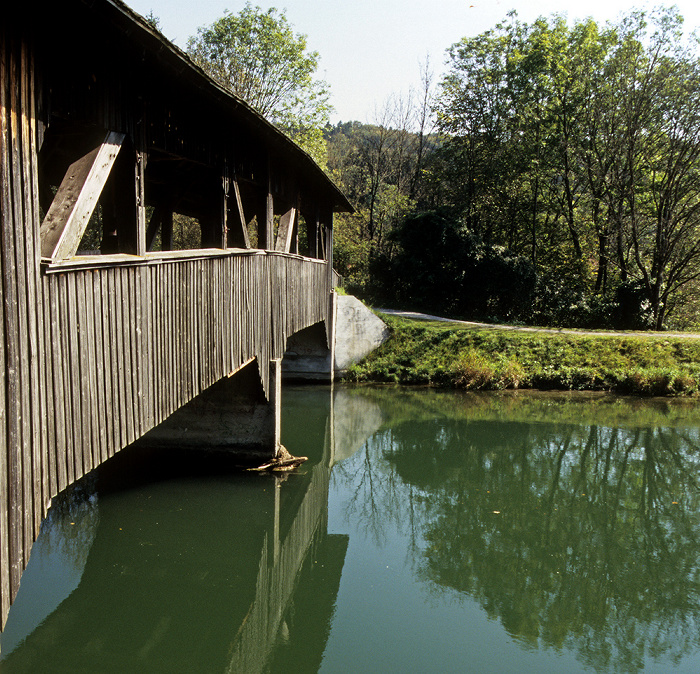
(428, 532)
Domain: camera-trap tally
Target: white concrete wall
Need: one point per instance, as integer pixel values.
(358, 331)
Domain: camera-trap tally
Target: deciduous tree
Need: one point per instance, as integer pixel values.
(257, 55)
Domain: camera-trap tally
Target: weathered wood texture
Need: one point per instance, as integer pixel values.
(125, 347)
(130, 345)
(24, 490)
(76, 198)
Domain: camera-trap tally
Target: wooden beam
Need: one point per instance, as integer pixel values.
(226, 185)
(139, 243)
(71, 209)
(286, 230)
(266, 217)
(269, 223)
(238, 224)
(294, 248)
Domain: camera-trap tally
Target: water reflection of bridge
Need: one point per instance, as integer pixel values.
(229, 587)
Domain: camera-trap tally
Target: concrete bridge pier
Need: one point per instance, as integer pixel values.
(233, 415)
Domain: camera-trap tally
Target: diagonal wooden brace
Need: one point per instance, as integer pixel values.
(286, 230)
(76, 199)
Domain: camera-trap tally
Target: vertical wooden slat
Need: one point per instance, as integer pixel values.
(183, 333)
(160, 302)
(175, 298)
(110, 360)
(147, 353)
(6, 222)
(171, 351)
(135, 333)
(92, 282)
(49, 427)
(123, 300)
(119, 398)
(105, 418)
(158, 299)
(76, 368)
(15, 297)
(87, 357)
(152, 345)
(56, 355)
(34, 304)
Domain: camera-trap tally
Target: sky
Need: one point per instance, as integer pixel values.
(373, 49)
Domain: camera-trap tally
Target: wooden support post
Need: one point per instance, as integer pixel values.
(269, 221)
(139, 242)
(266, 215)
(294, 248)
(321, 232)
(226, 186)
(329, 239)
(77, 196)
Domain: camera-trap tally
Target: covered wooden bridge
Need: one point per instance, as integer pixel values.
(157, 236)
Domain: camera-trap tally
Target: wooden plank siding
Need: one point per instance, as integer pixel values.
(237, 306)
(25, 487)
(99, 349)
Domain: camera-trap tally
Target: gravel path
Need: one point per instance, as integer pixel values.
(557, 331)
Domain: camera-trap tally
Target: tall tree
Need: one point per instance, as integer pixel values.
(257, 55)
(580, 146)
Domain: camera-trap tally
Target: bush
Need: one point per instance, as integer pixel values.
(441, 267)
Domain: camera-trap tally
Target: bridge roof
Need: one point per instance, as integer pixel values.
(178, 64)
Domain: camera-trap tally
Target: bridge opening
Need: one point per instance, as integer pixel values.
(233, 415)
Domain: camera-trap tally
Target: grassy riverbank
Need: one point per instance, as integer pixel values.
(451, 355)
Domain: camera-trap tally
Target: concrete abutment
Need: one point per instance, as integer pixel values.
(233, 415)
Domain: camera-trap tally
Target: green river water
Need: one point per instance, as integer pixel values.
(428, 532)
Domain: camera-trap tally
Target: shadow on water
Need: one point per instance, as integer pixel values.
(177, 562)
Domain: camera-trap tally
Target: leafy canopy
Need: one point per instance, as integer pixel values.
(258, 56)
(579, 146)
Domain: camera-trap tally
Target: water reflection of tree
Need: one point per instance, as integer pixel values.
(574, 537)
(379, 498)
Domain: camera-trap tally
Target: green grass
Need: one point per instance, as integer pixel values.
(449, 355)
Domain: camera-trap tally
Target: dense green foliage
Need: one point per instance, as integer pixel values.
(443, 354)
(443, 267)
(575, 146)
(257, 55)
(381, 168)
(579, 146)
